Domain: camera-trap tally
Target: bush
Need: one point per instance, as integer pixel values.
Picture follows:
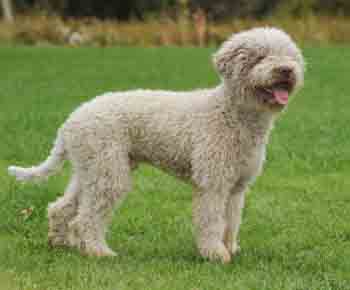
(184, 30)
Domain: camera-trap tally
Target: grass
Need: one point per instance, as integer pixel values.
(296, 230)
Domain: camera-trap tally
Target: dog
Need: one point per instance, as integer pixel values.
(213, 138)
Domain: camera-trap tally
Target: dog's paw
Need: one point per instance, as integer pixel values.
(58, 241)
(233, 248)
(216, 252)
(88, 245)
(98, 251)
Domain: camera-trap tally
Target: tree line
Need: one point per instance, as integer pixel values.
(216, 10)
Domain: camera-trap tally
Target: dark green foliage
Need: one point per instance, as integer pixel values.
(218, 10)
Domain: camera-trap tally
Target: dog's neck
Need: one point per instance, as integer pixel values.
(249, 116)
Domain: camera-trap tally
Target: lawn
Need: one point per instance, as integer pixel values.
(296, 226)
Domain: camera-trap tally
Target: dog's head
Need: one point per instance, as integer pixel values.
(262, 65)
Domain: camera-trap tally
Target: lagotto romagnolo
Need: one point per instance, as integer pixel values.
(214, 138)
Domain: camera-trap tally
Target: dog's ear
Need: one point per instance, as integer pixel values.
(224, 59)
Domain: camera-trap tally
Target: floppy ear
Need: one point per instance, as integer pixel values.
(223, 59)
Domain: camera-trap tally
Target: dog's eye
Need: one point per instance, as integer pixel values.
(253, 61)
(258, 59)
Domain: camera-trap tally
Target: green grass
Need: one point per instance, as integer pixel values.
(296, 229)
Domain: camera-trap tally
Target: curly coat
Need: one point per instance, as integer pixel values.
(214, 138)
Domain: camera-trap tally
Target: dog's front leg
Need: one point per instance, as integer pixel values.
(210, 223)
(234, 208)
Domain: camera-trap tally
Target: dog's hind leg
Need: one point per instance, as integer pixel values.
(105, 181)
(61, 212)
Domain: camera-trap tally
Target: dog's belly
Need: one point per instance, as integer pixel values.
(169, 156)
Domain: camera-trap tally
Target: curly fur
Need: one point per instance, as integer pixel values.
(214, 138)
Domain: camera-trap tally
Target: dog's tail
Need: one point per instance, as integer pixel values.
(50, 166)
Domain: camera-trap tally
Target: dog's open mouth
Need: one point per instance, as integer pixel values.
(277, 94)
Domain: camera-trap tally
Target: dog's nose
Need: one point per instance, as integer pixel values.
(284, 71)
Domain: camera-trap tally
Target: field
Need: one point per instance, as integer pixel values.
(296, 227)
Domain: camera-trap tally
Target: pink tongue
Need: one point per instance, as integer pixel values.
(281, 96)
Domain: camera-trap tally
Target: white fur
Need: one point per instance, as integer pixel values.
(213, 138)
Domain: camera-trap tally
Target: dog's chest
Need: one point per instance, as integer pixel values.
(251, 155)
(251, 160)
